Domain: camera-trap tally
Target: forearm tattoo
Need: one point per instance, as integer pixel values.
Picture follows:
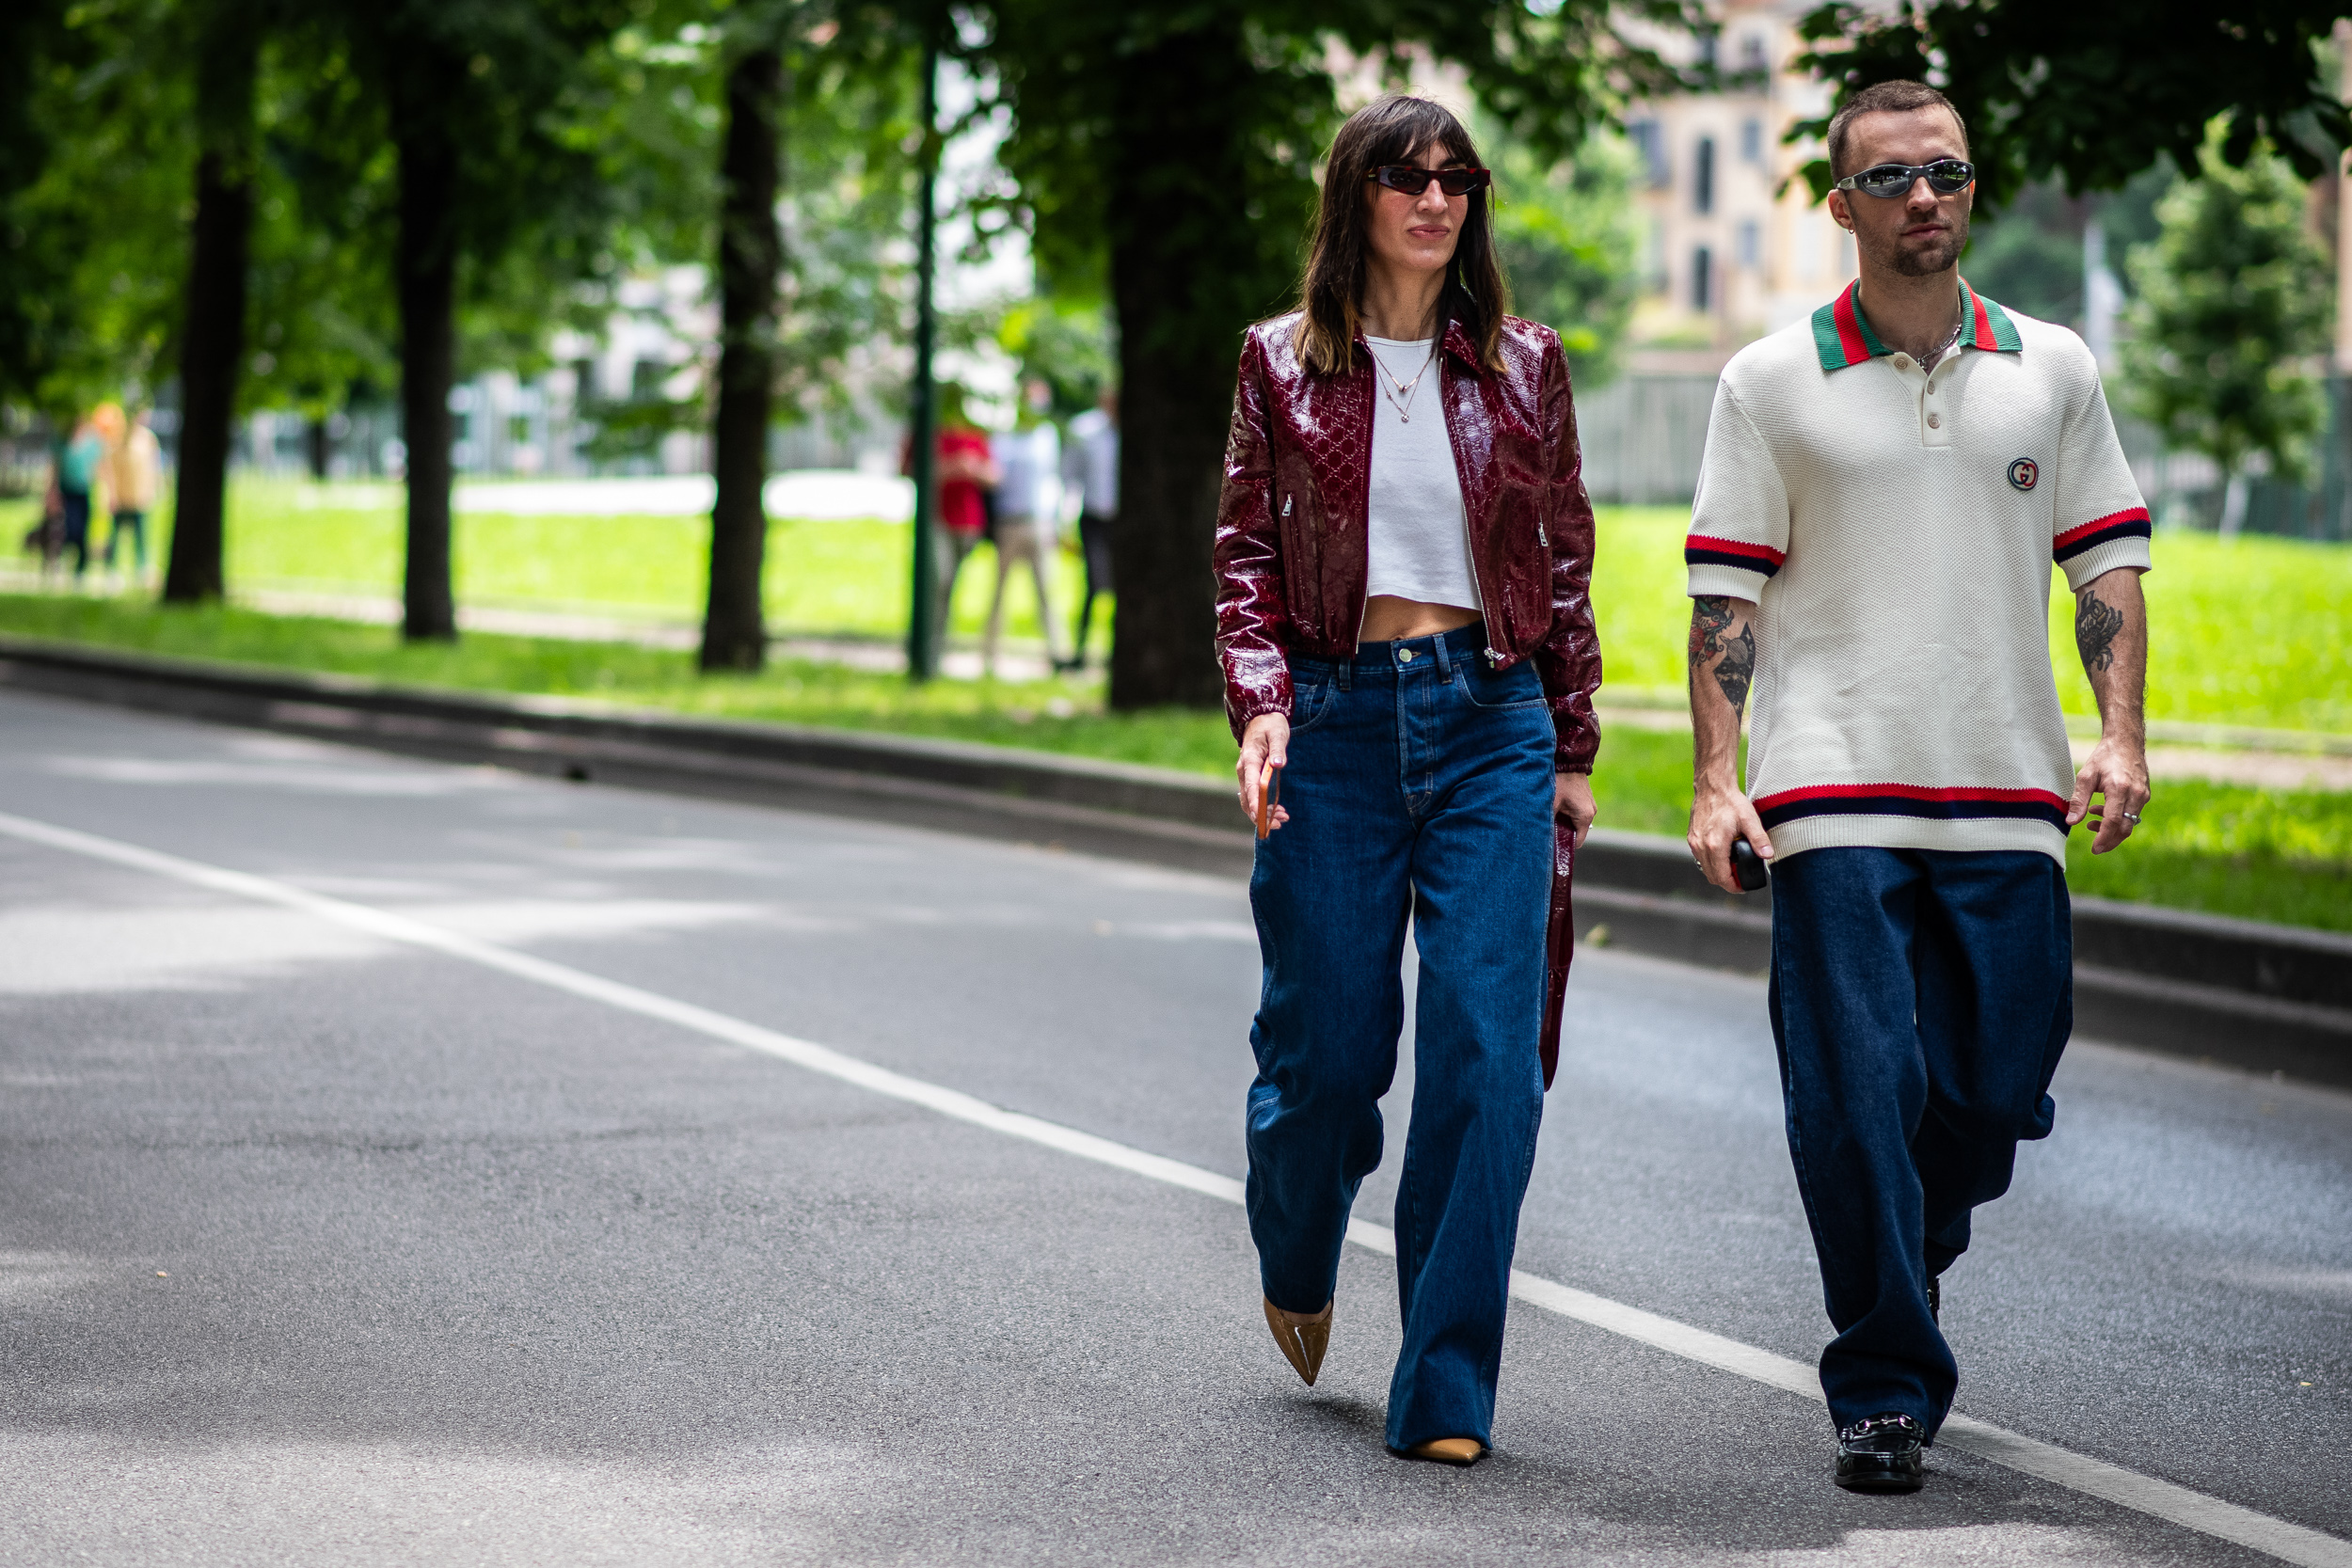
(1710, 616)
(2096, 622)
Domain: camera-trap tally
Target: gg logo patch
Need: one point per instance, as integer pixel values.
(2022, 472)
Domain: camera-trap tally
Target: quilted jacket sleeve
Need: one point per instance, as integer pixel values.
(1568, 659)
(1252, 623)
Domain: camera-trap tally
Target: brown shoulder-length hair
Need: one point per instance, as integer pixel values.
(1390, 131)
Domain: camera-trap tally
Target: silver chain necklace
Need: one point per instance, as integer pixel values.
(1949, 344)
(1402, 399)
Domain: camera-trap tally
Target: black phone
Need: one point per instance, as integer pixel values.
(1747, 866)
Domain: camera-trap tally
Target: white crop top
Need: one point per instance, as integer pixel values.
(1420, 546)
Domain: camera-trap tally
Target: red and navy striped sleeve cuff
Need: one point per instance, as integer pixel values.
(1893, 800)
(1701, 550)
(2130, 524)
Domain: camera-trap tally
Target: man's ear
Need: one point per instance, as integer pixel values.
(1840, 210)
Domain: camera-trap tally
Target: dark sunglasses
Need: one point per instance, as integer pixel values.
(1945, 177)
(1413, 179)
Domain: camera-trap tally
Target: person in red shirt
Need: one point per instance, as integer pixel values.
(966, 470)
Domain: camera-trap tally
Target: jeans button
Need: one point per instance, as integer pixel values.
(1405, 656)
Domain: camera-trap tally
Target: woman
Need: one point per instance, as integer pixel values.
(1403, 551)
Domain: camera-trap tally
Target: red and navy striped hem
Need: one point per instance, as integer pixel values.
(1699, 549)
(1893, 800)
(2132, 524)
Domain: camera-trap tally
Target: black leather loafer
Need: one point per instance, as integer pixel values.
(1881, 1454)
(1935, 1298)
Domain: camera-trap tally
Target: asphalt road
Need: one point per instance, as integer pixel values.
(317, 1247)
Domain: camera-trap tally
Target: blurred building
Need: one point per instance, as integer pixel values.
(1734, 244)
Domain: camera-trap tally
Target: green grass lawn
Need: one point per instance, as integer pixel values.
(2276, 855)
(837, 577)
(2249, 631)
(2278, 608)
(2253, 631)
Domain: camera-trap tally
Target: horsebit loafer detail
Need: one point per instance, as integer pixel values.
(1303, 1339)
(1881, 1453)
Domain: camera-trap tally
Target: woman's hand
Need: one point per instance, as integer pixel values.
(1572, 797)
(1266, 740)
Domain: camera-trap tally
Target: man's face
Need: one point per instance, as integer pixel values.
(1918, 233)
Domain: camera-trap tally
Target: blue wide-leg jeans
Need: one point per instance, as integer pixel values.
(1420, 786)
(1920, 999)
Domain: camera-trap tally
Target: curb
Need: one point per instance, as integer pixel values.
(2265, 998)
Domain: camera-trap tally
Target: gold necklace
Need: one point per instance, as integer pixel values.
(1404, 390)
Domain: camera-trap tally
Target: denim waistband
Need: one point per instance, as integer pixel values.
(1462, 643)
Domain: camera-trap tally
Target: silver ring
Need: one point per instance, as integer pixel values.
(2128, 815)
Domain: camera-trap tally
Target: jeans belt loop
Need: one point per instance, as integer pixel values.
(1445, 658)
(1345, 668)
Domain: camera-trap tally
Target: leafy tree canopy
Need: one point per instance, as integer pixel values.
(2233, 306)
(2092, 91)
(1565, 234)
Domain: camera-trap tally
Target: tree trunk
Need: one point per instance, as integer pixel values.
(751, 253)
(426, 264)
(319, 445)
(1179, 342)
(212, 348)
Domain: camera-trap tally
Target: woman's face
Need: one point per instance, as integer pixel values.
(1418, 233)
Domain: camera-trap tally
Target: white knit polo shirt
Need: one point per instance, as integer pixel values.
(1895, 531)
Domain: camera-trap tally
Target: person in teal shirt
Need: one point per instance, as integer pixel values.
(77, 472)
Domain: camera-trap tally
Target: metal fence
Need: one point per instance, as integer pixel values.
(1643, 435)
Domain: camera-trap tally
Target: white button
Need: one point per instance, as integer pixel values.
(1405, 656)
(1935, 421)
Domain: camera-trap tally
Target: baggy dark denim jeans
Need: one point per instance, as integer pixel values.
(1420, 784)
(1920, 999)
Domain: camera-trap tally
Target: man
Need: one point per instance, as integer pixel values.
(1090, 467)
(1884, 489)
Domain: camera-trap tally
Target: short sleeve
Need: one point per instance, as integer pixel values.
(1739, 517)
(2098, 520)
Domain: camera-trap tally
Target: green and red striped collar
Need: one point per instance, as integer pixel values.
(1843, 337)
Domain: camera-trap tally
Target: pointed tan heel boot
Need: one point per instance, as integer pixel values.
(1449, 1450)
(1303, 1339)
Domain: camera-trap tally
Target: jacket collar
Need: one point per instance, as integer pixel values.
(1842, 335)
(1455, 342)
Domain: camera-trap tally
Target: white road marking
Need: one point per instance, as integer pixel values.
(2227, 1521)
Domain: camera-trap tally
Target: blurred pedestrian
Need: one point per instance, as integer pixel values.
(966, 474)
(1028, 459)
(46, 537)
(134, 477)
(1403, 561)
(77, 475)
(1091, 469)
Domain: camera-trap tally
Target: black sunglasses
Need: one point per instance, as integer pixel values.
(1412, 179)
(1945, 177)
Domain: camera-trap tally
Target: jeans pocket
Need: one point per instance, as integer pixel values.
(1310, 698)
(1517, 688)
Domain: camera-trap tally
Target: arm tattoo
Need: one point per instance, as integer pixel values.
(1710, 615)
(2096, 622)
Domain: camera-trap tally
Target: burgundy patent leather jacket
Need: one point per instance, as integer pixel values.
(1292, 541)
